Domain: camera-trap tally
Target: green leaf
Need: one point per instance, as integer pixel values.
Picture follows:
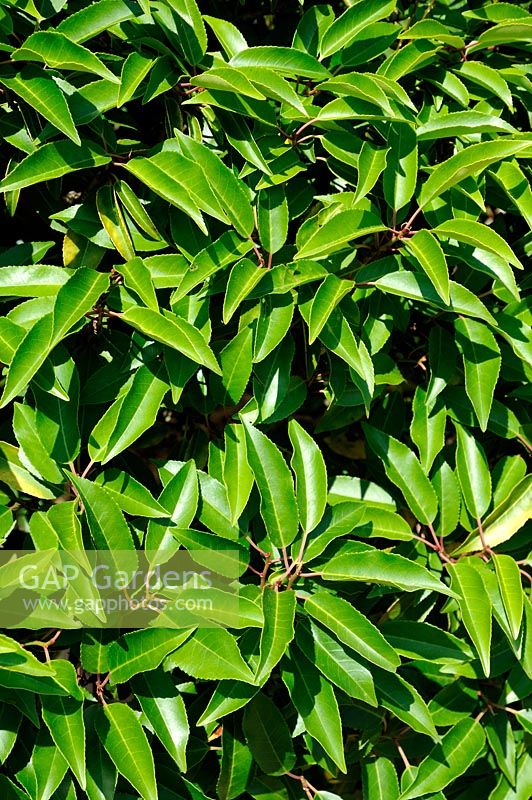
(134, 70)
(53, 160)
(311, 477)
(278, 506)
(17, 477)
(512, 180)
(237, 474)
(448, 760)
(462, 123)
(482, 362)
(315, 701)
(101, 772)
(236, 361)
(132, 413)
(225, 250)
(32, 449)
(330, 292)
(45, 770)
(242, 280)
(509, 581)
(173, 331)
(75, 298)
(237, 763)
(506, 518)
(10, 719)
(442, 362)
(336, 662)
(229, 191)
(137, 277)
(130, 495)
(417, 286)
(142, 651)
(283, 60)
(63, 717)
(136, 209)
(428, 253)
(272, 217)
(223, 556)
(272, 325)
(405, 471)
(165, 710)
(400, 174)
(403, 700)
(43, 94)
(239, 136)
(228, 697)
(212, 653)
(352, 628)
(473, 472)
(95, 19)
(500, 738)
(165, 175)
(272, 85)
(475, 607)
(471, 160)
(371, 164)
(13, 655)
(214, 507)
(278, 609)
(344, 29)
(267, 736)
(34, 280)
(190, 29)
(28, 358)
(107, 525)
(122, 736)
(421, 641)
(375, 566)
(427, 430)
(488, 78)
(56, 50)
(337, 232)
(228, 79)
(227, 34)
(447, 491)
(180, 499)
(379, 779)
(113, 221)
(338, 336)
(478, 235)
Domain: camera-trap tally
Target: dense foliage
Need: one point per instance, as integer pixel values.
(261, 271)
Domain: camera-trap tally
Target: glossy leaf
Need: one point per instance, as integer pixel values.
(122, 736)
(314, 699)
(276, 489)
(165, 710)
(278, 610)
(53, 160)
(473, 473)
(352, 628)
(450, 759)
(482, 362)
(311, 477)
(509, 581)
(174, 332)
(41, 92)
(64, 718)
(405, 471)
(431, 258)
(475, 608)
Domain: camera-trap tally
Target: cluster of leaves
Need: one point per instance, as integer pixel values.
(267, 300)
